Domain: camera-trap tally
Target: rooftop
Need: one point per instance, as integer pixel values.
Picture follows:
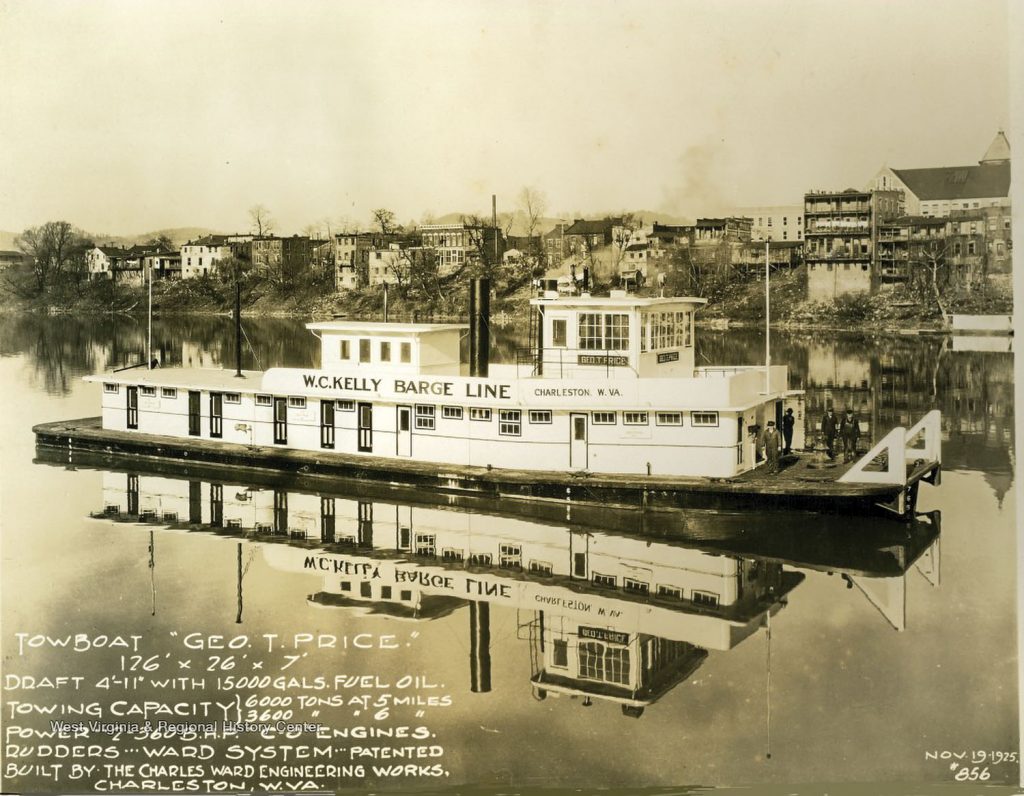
(593, 227)
(958, 182)
(197, 378)
(624, 301)
(377, 327)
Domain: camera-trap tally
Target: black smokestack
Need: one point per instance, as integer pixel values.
(479, 326)
(480, 647)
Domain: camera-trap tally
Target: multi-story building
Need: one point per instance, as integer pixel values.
(841, 234)
(394, 265)
(774, 222)
(353, 252)
(906, 244)
(101, 261)
(162, 263)
(132, 265)
(200, 257)
(939, 191)
(459, 243)
(588, 235)
(731, 229)
(284, 257)
(556, 248)
(962, 248)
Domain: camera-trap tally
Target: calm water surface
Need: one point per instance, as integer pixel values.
(886, 641)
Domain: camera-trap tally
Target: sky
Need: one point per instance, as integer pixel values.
(125, 117)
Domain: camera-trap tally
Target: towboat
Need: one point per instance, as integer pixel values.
(611, 387)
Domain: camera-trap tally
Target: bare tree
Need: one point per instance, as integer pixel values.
(622, 236)
(57, 253)
(931, 259)
(532, 204)
(385, 219)
(262, 223)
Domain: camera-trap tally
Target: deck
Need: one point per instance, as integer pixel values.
(806, 482)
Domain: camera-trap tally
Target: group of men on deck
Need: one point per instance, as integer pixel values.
(845, 429)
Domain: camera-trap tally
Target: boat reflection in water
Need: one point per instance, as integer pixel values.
(612, 604)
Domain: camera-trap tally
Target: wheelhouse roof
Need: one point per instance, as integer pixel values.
(624, 302)
(379, 328)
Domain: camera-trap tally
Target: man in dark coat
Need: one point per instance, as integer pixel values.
(771, 441)
(849, 430)
(829, 427)
(788, 421)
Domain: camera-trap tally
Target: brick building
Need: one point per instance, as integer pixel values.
(283, 257)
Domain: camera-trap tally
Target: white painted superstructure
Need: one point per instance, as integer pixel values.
(612, 387)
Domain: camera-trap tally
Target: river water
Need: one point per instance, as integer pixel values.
(890, 648)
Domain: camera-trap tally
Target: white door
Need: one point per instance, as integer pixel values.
(578, 442)
(404, 427)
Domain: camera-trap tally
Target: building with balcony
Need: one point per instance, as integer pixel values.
(841, 235)
(162, 263)
(962, 248)
(781, 254)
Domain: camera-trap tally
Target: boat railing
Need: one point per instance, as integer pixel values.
(903, 458)
(563, 362)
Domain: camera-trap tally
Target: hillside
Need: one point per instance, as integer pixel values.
(178, 236)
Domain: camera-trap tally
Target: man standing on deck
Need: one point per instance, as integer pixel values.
(850, 432)
(771, 441)
(829, 427)
(788, 421)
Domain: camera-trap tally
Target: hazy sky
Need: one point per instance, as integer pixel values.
(124, 117)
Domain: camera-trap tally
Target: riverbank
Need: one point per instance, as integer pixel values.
(740, 304)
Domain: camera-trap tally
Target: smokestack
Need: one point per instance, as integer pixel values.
(479, 326)
(586, 279)
(480, 647)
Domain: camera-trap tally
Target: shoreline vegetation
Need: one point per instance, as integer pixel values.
(736, 303)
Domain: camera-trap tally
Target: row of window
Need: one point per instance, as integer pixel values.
(672, 592)
(610, 331)
(384, 350)
(785, 220)
(509, 420)
(404, 595)
(828, 266)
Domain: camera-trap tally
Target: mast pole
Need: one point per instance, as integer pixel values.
(768, 683)
(767, 325)
(238, 325)
(149, 332)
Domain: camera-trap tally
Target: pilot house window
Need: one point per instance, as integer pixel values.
(604, 663)
(604, 331)
(670, 329)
